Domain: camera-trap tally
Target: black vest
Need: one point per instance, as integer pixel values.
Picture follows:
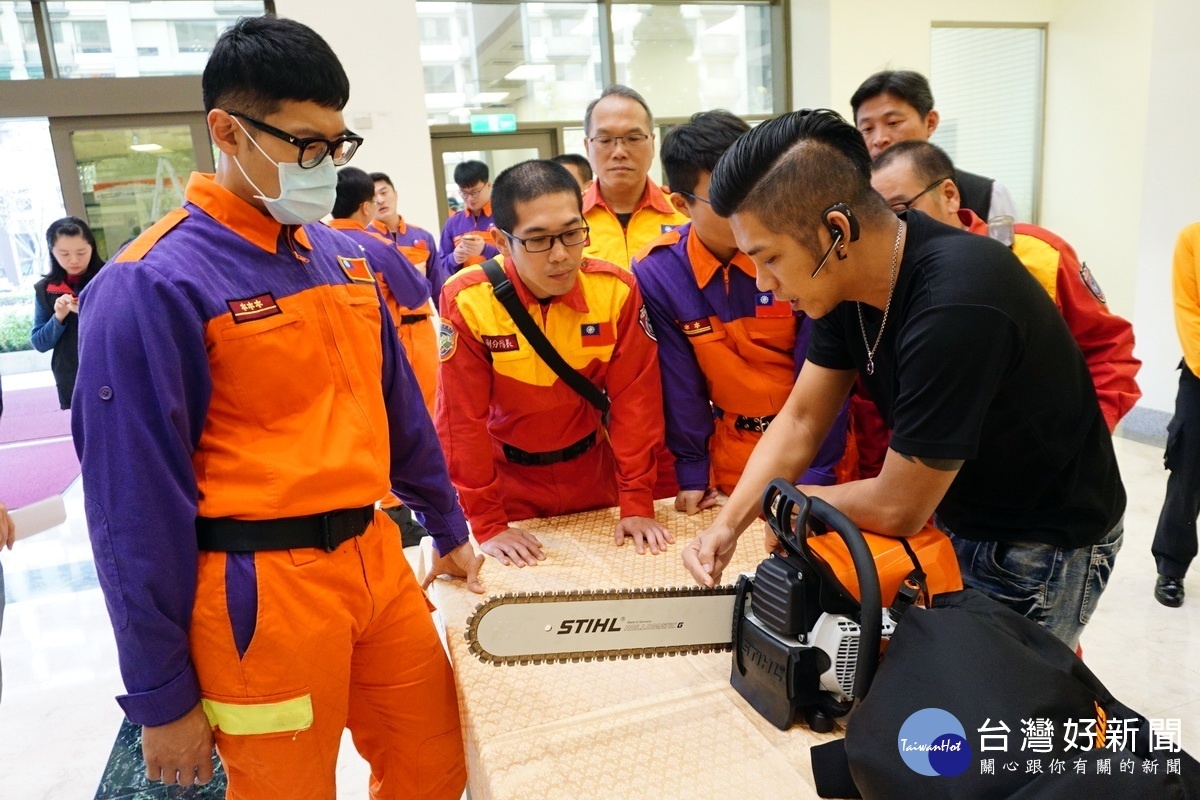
(976, 192)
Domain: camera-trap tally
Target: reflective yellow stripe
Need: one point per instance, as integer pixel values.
(239, 719)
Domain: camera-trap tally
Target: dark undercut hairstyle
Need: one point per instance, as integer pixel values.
(469, 173)
(382, 176)
(789, 170)
(617, 90)
(909, 86)
(929, 162)
(578, 162)
(354, 187)
(527, 181)
(693, 148)
(261, 62)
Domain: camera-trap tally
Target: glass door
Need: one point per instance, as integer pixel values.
(498, 151)
(122, 174)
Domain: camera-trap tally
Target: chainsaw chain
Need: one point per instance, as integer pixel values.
(624, 654)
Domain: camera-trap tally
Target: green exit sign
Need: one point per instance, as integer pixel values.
(493, 123)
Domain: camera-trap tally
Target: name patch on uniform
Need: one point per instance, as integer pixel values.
(1089, 280)
(447, 340)
(594, 334)
(356, 269)
(767, 307)
(500, 344)
(696, 327)
(252, 308)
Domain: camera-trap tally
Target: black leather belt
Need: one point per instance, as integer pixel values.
(517, 456)
(752, 424)
(412, 319)
(326, 531)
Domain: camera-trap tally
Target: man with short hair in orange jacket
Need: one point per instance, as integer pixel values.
(520, 442)
(417, 244)
(405, 291)
(919, 175)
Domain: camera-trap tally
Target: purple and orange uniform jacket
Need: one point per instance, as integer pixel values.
(495, 390)
(608, 241)
(234, 367)
(460, 224)
(418, 245)
(726, 350)
(406, 295)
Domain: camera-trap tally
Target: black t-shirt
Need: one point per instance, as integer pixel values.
(976, 363)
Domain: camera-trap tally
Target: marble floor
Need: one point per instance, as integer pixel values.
(58, 719)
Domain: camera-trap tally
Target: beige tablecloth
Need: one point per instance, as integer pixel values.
(662, 728)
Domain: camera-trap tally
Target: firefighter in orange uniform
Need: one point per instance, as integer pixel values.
(417, 244)
(242, 403)
(519, 441)
(405, 291)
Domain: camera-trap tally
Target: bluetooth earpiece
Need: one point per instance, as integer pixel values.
(835, 233)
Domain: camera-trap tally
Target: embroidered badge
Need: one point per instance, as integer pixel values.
(597, 334)
(356, 269)
(696, 327)
(767, 307)
(644, 321)
(252, 308)
(447, 340)
(501, 344)
(1089, 280)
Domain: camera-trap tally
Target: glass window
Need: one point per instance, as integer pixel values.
(30, 199)
(510, 59)
(687, 57)
(19, 56)
(125, 39)
(988, 86)
(130, 177)
(440, 78)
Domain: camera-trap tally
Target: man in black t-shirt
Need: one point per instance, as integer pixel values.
(996, 426)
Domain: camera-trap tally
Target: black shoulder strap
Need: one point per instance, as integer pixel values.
(506, 293)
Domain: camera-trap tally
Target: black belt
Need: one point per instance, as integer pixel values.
(325, 531)
(524, 459)
(752, 424)
(412, 319)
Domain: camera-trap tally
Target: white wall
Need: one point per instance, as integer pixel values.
(1170, 198)
(378, 45)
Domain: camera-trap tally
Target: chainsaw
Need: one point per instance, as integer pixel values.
(806, 629)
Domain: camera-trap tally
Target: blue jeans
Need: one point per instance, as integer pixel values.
(1057, 588)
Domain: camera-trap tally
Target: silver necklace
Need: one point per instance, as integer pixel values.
(862, 326)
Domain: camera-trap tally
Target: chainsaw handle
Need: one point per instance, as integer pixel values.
(779, 499)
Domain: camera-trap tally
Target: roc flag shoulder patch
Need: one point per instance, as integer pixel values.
(356, 269)
(696, 327)
(766, 306)
(597, 334)
(252, 308)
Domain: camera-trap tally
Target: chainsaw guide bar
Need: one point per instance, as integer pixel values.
(521, 628)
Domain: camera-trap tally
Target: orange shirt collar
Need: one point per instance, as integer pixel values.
(346, 224)
(236, 214)
(652, 197)
(573, 299)
(705, 264)
(486, 211)
(382, 228)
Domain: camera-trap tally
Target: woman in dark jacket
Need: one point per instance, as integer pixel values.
(73, 262)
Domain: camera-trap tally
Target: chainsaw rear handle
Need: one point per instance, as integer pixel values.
(779, 500)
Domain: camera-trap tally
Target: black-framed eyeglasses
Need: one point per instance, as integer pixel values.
(471, 194)
(629, 139)
(706, 201)
(905, 205)
(540, 244)
(311, 151)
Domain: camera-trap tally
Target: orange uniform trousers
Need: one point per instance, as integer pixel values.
(341, 640)
(581, 484)
(421, 347)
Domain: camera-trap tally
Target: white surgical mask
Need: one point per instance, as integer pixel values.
(305, 195)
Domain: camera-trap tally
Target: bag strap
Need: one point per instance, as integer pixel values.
(506, 293)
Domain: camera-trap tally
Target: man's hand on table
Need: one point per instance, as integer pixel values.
(644, 531)
(709, 553)
(461, 562)
(693, 501)
(514, 546)
(180, 751)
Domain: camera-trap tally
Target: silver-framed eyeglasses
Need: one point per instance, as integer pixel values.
(630, 140)
(540, 244)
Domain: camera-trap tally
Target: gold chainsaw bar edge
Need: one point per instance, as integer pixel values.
(623, 654)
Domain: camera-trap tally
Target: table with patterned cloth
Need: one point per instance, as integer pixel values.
(668, 727)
